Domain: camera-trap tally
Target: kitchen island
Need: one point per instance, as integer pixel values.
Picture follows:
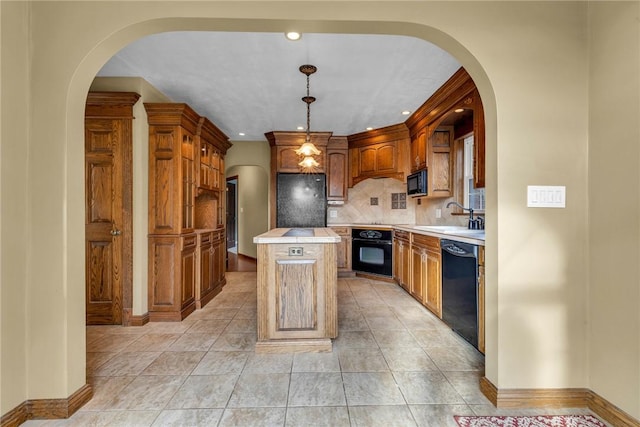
(297, 290)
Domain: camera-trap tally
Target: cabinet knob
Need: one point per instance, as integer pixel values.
(116, 232)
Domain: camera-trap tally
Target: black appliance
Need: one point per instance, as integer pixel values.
(301, 200)
(460, 288)
(372, 251)
(417, 183)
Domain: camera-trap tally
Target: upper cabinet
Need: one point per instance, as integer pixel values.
(337, 169)
(451, 112)
(213, 145)
(379, 153)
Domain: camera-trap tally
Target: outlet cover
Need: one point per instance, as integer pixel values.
(546, 196)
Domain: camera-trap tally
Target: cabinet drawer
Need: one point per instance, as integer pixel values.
(402, 235)
(426, 241)
(342, 231)
(205, 238)
(189, 241)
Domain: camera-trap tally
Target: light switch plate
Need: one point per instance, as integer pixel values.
(546, 196)
(333, 213)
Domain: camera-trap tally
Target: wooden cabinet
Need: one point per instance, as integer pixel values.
(337, 169)
(428, 272)
(219, 247)
(402, 258)
(343, 250)
(418, 285)
(481, 300)
(172, 275)
(186, 191)
(380, 153)
(434, 126)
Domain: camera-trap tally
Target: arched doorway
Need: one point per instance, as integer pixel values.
(88, 68)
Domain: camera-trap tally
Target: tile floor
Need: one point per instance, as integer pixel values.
(393, 364)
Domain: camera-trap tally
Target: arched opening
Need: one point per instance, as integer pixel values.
(90, 65)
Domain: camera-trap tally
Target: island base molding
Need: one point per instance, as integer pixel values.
(297, 346)
(557, 398)
(44, 409)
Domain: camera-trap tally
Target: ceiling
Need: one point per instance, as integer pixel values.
(250, 82)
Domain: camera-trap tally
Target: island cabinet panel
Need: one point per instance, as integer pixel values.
(296, 295)
(297, 292)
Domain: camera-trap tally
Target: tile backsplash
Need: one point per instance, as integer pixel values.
(392, 205)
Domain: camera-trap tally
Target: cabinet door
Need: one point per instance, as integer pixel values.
(386, 158)
(367, 159)
(343, 249)
(419, 151)
(440, 180)
(418, 272)
(337, 175)
(433, 299)
(189, 272)
(405, 266)
(206, 269)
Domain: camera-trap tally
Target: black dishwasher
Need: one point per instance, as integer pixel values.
(460, 288)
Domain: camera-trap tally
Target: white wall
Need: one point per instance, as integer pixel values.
(530, 62)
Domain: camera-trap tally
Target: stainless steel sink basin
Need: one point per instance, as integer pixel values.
(451, 229)
(299, 232)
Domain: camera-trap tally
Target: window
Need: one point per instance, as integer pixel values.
(472, 197)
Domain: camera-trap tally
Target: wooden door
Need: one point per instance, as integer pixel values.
(108, 220)
(418, 272)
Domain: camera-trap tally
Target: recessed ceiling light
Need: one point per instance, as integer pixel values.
(459, 110)
(406, 112)
(369, 128)
(292, 35)
(300, 128)
(241, 133)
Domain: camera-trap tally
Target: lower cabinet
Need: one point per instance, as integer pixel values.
(185, 273)
(402, 258)
(418, 268)
(343, 250)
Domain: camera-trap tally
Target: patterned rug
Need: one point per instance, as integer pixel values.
(532, 421)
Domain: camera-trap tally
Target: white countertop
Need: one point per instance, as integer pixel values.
(451, 232)
(298, 235)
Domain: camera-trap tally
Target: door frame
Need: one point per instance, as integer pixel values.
(235, 208)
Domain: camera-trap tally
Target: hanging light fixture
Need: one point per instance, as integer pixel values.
(307, 149)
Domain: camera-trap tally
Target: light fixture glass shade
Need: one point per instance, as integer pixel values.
(307, 149)
(308, 163)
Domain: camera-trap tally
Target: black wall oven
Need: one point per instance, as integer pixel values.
(372, 251)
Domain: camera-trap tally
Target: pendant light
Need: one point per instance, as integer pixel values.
(307, 150)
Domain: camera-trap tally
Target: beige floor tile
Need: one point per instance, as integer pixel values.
(193, 342)
(318, 416)
(126, 364)
(316, 362)
(397, 339)
(152, 342)
(204, 391)
(112, 342)
(355, 339)
(408, 359)
(456, 358)
(269, 363)
(235, 342)
(209, 326)
(438, 415)
(316, 389)
(148, 392)
(466, 384)
(260, 390)
(382, 416)
(371, 388)
(104, 389)
(246, 326)
(188, 417)
(222, 362)
(95, 360)
(263, 417)
(174, 363)
(427, 387)
(362, 360)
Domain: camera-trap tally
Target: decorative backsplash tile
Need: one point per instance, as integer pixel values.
(398, 201)
(374, 201)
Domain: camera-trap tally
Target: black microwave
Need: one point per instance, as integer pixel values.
(417, 183)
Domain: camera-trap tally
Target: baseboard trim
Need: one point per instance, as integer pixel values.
(47, 408)
(139, 320)
(556, 398)
(375, 277)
